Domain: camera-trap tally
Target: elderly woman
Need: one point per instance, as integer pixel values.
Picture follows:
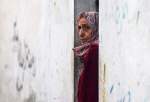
(87, 25)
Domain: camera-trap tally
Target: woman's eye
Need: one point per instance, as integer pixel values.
(86, 27)
(79, 27)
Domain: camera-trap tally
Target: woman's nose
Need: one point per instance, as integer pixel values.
(81, 33)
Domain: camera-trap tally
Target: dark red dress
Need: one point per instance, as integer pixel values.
(88, 81)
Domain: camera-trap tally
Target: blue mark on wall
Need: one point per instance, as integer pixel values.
(120, 15)
(126, 97)
(111, 89)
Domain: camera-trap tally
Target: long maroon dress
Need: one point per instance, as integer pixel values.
(88, 81)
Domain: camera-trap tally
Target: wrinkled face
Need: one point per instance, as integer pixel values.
(84, 30)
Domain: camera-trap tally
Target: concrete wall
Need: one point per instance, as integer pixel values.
(37, 35)
(36, 58)
(125, 50)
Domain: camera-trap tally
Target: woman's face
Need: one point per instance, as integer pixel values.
(84, 30)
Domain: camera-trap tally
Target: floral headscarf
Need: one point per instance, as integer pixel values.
(93, 20)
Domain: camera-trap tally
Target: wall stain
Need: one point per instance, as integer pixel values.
(54, 3)
(104, 72)
(15, 38)
(138, 83)
(137, 18)
(118, 83)
(25, 58)
(120, 16)
(111, 89)
(6, 66)
(31, 98)
(15, 24)
(24, 55)
(104, 82)
(126, 98)
(25, 61)
(129, 96)
(19, 86)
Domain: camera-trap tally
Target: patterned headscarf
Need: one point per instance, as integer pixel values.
(93, 21)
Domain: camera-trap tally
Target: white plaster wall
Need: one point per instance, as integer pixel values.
(125, 50)
(36, 41)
